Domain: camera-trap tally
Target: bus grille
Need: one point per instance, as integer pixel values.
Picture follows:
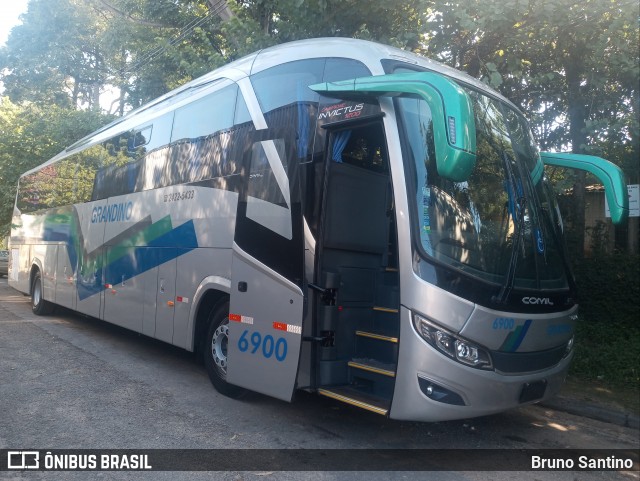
(520, 362)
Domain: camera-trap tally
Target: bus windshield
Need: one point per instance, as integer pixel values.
(502, 225)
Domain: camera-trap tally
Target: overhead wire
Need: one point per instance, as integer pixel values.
(182, 34)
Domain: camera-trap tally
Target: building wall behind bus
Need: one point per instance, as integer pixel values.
(601, 235)
(600, 229)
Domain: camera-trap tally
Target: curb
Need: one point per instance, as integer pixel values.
(593, 411)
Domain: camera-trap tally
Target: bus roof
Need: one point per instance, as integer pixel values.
(367, 52)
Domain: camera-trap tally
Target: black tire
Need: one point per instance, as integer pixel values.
(215, 352)
(39, 306)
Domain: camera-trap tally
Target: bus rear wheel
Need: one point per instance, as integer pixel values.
(215, 353)
(39, 306)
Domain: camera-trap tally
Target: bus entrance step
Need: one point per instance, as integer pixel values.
(372, 365)
(380, 337)
(389, 310)
(349, 395)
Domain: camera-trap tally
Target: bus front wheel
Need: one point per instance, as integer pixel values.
(215, 355)
(39, 306)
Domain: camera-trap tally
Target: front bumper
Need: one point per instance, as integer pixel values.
(474, 392)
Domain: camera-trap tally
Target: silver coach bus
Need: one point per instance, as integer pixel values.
(330, 215)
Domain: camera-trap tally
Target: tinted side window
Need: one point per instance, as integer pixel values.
(269, 221)
(154, 135)
(200, 138)
(110, 179)
(288, 83)
(269, 210)
(51, 186)
(344, 69)
(287, 101)
(89, 163)
(266, 202)
(205, 116)
(76, 178)
(153, 156)
(140, 137)
(132, 161)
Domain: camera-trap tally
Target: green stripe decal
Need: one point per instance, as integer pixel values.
(142, 238)
(139, 248)
(515, 338)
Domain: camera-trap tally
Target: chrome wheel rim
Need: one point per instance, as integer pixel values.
(219, 343)
(37, 294)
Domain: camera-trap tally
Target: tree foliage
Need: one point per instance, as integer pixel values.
(69, 52)
(55, 57)
(30, 135)
(571, 65)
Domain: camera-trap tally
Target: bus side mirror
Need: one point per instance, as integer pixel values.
(454, 129)
(609, 174)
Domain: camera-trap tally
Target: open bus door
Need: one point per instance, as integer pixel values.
(267, 278)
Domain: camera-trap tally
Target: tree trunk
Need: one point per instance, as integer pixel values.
(75, 93)
(95, 94)
(577, 113)
(122, 101)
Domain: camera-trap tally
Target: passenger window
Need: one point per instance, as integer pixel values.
(287, 101)
(113, 177)
(201, 138)
(129, 162)
(158, 134)
(242, 115)
(344, 69)
(140, 137)
(33, 194)
(205, 116)
(268, 198)
(89, 163)
(288, 83)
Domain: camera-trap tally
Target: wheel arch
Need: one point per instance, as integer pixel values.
(211, 292)
(36, 266)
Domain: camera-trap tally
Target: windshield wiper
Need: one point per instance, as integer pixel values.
(519, 209)
(507, 286)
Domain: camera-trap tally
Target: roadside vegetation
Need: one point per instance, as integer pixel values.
(608, 334)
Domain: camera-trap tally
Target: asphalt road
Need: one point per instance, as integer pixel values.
(70, 382)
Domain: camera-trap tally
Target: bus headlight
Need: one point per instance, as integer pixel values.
(451, 344)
